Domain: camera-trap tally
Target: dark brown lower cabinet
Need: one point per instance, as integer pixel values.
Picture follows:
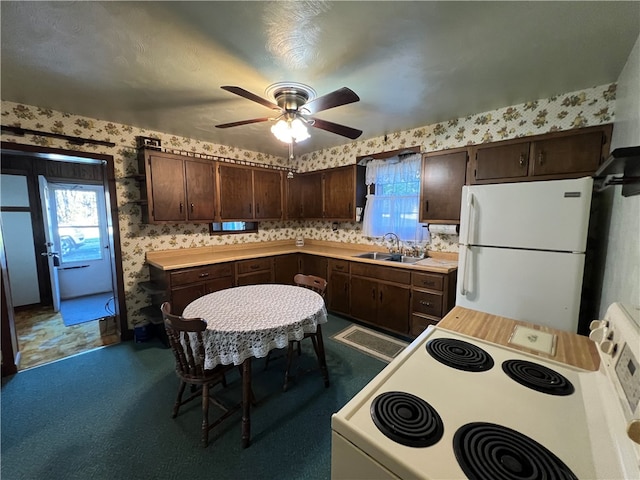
(383, 303)
(338, 286)
(395, 299)
(285, 267)
(432, 296)
(255, 271)
(184, 295)
(313, 265)
(184, 285)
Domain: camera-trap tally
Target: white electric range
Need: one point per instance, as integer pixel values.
(452, 407)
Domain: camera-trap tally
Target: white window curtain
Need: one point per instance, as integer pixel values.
(395, 205)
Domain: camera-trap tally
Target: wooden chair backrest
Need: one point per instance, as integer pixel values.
(185, 338)
(312, 282)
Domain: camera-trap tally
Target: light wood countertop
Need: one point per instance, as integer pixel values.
(198, 256)
(571, 349)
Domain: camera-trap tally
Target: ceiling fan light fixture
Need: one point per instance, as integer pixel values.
(289, 131)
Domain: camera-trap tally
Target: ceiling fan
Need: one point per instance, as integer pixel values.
(295, 104)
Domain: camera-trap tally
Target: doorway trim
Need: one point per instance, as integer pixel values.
(109, 184)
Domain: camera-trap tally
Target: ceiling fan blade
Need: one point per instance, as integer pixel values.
(342, 96)
(243, 122)
(343, 130)
(250, 96)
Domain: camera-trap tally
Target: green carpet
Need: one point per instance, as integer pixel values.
(106, 414)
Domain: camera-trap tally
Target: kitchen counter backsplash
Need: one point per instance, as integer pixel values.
(583, 108)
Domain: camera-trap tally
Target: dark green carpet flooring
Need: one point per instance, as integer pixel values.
(106, 414)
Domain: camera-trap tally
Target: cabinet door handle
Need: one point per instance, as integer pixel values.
(339, 267)
(426, 304)
(522, 160)
(254, 266)
(192, 208)
(426, 205)
(380, 295)
(250, 206)
(202, 275)
(428, 284)
(181, 207)
(541, 158)
(373, 294)
(257, 208)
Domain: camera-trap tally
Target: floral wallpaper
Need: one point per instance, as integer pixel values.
(583, 108)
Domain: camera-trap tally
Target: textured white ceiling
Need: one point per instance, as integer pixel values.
(160, 65)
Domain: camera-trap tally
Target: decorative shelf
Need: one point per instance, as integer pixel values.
(138, 177)
(621, 168)
(151, 288)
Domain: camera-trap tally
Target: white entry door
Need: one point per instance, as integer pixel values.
(79, 225)
(53, 255)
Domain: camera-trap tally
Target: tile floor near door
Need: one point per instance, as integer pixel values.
(43, 336)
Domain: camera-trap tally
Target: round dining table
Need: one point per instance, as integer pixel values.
(249, 321)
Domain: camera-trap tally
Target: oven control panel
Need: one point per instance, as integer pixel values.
(628, 373)
(617, 337)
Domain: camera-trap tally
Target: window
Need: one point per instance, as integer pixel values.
(394, 207)
(219, 228)
(77, 219)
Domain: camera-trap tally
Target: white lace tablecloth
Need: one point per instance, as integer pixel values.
(249, 321)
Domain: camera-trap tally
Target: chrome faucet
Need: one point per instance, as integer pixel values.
(393, 235)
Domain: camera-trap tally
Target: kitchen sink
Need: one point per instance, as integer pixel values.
(388, 257)
(404, 259)
(375, 255)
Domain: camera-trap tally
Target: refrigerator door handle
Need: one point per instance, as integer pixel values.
(470, 206)
(464, 284)
(463, 263)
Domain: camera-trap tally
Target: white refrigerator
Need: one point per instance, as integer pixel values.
(522, 250)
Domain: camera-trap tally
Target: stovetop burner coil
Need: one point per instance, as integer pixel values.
(486, 451)
(459, 354)
(538, 377)
(407, 419)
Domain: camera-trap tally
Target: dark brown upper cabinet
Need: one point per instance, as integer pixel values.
(178, 189)
(249, 193)
(331, 194)
(443, 176)
(557, 155)
(267, 194)
(339, 193)
(578, 153)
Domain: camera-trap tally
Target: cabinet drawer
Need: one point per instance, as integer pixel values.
(432, 281)
(258, 278)
(427, 303)
(395, 275)
(193, 275)
(419, 324)
(255, 265)
(338, 266)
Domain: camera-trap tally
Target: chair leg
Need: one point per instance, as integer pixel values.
(176, 406)
(318, 345)
(289, 360)
(205, 415)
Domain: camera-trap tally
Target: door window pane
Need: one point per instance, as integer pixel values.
(78, 228)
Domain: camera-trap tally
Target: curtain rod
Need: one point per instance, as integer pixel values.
(21, 132)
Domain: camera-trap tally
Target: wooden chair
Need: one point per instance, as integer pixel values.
(185, 339)
(319, 285)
